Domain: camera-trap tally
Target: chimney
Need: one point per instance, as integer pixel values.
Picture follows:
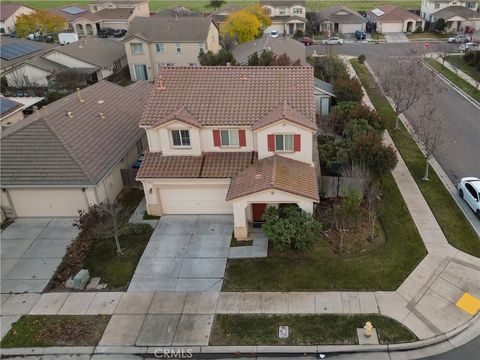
(79, 95)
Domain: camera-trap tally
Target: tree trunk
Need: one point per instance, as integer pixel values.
(425, 176)
(373, 227)
(117, 243)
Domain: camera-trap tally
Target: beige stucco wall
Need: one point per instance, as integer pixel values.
(35, 76)
(9, 24)
(159, 139)
(12, 118)
(428, 6)
(66, 60)
(142, 9)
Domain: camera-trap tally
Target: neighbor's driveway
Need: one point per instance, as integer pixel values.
(185, 253)
(31, 250)
(396, 38)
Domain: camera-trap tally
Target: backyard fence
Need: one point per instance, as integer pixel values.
(336, 186)
(129, 179)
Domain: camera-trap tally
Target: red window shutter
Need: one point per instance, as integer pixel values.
(296, 142)
(271, 142)
(216, 138)
(242, 138)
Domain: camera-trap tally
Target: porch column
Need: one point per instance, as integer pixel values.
(240, 229)
(306, 206)
(152, 198)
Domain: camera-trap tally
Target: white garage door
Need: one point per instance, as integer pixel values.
(199, 200)
(43, 202)
(392, 27)
(350, 28)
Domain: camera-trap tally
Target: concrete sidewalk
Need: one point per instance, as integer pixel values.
(456, 70)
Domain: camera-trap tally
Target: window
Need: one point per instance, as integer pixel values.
(140, 72)
(437, 5)
(470, 5)
(137, 48)
(201, 47)
(193, 64)
(160, 47)
(298, 10)
(284, 142)
(282, 11)
(472, 191)
(179, 48)
(181, 138)
(229, 138)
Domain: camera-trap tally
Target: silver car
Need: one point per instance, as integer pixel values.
(469, 46)
(333, 41)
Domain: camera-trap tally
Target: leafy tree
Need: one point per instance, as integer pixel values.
(329, 67)
(261, 14)
(344, 112)
(332, 150)
(243, 25)
(347, 213)
(253, 60)
(347, 89)
(291, 228)
(42, 21)
(209, 58)
(377, 157)
(361, 58)
(284, 60)
(266, 58)
(357, 127)
(216, 4)
(439, 25)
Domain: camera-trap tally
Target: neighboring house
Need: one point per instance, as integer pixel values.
(339, 19)
(35, 72)
(70, 13)
(12, 110)
(323, 97)
(457, 18)
(230, 140)
(392, 19)
(15, 51)
(139, 7)
(69, 154)
(287, 16)
(428, 7)
(219, 17)
(280, 45)
(157, 41)
(9, 13)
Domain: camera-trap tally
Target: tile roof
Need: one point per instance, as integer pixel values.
(45, 64)
(276, 172)
(324, 86)
(284, 112)
(208, 165)
(167, 29)
(108, 14)
(293, 48)
(452, 11)
(44, 48)
(51, 148)
(230, 95)
(331, 14)
(66, 15)
(394, 13)
(8, 9)
(180, 114)
(99, 52)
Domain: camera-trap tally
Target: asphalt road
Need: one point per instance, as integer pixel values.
(460, 156)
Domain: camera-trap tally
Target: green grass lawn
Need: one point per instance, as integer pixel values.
(200, 5)
(456, 228)
(457, 60)
(457, 80)
(383, 268)
(56, 330)
(304, 329)
(427, 35)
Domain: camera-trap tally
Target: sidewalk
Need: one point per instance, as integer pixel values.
(456, 70)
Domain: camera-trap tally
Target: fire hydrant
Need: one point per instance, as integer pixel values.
(368, 329)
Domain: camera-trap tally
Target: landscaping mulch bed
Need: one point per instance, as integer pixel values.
(56, 330)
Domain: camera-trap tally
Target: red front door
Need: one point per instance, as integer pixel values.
(257, 210)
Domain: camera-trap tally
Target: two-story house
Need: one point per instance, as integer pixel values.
(287, 16)
(9, 13)
(230, 140)
(158, 41)
(429, 7)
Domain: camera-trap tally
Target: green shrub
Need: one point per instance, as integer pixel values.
(332, 150)
(358, 127)
(377, 157)
(291, 228)
(346, 88)
(361, 58)
(344, 112)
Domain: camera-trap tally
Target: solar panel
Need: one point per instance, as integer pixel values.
(7, 105)
(73, 10)
(378, 12)
(13, 51)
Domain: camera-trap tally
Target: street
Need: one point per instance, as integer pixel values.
(460, 156)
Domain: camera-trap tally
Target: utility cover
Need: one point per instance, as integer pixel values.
(283, 332)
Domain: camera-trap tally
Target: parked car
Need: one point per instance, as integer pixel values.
(469, 190)
(360, 35)
(333, 41)
(459, 39)
(306, 41)
(469, 46)
(105, 32)
(274, 33)
(119, 33)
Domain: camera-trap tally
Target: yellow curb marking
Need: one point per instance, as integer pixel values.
(469, 303)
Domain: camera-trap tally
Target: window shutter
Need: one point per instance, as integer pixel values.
(271, 142)
(296, 142)
(242, 138)
(216, 138)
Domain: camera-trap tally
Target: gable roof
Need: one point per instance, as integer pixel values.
(276, 172)
(180, 114)
(452, 11)
(324, 86)
(66, 15)
(279, 45)
(8, 9)
(230, 95)
(167, 29)
(46, 65)
(96, 51)
(284, 112)
(331, 14)
(222, 14)
(286, 3)
(43, 48)
(51, 148)
(392, 13)
(107, 14)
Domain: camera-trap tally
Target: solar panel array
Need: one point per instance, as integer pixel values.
(13, 51)
(73, 10)
(6, 105)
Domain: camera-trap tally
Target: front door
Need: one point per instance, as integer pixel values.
(257, 211)
(291, 28)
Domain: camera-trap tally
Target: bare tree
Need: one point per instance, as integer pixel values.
(372, 195)
(347, 213)
(19, 79)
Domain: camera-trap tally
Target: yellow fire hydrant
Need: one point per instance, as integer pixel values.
(368, 329)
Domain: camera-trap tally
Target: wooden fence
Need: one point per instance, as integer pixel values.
(336, 186)
(128, 178)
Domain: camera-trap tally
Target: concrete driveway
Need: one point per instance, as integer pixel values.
(31, 250)
(185, 253)
(396, 37)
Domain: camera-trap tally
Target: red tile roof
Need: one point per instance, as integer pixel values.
(208, 165)
(276, 172)
(284, 112)
(181, 114)
(230, 95)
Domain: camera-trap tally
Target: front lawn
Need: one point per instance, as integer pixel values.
(325, 329)
(457, 61)
(382, 268)
(456, 228)
(454, 78)
(56, 330)
(427, 35)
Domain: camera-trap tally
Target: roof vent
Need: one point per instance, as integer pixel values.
(100, 101)
(70, 114)
(101, 116)
(79, 95)
(161, 86)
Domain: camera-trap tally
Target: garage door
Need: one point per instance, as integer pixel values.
(33, 202)
(199, 200)
(392, 27)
